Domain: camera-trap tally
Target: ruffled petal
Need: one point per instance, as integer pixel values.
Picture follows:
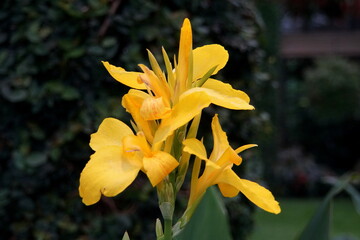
(207, 57)
(154, 108)
(220, 99)
(158, 166)
(159, 88)
(132, 102)
(259, 195)
(110, 133)
(225, 89)
(195, 147)
(108, 172)
(136, 143)
(186, 109)
(121, 75)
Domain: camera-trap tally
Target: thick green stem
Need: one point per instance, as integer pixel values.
(167, 229)
(167, 205)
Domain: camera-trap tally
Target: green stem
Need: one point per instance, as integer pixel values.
(167, 206)
(168, 229)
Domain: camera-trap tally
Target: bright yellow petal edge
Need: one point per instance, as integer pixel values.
(108, 172)
(110, 133)
(119, 157)
(127, 78)
(208, 56)
(218, 171)
(259, 195)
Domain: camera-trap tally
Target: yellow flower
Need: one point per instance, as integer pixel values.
(179, 97)
(218, 171)
(118, 158)
(160, 104)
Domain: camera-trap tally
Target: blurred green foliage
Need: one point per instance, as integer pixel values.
(333, 90)
(54, 92)
(330, 102)
(308, 112)
(323, 118)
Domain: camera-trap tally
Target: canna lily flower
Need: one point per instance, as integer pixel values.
(162, 104)
(118, 158)
(179, 97)
(218, 171)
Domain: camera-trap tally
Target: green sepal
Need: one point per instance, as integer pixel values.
(169, 69)
(206, 76)
(159, 229)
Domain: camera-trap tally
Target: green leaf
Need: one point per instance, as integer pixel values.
(36, 159)
(108, 42)
(75, 53)
(32, 33)
(355, 196)
(70, 93)
(319, 226)
(210, 220)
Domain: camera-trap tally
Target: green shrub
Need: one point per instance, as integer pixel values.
(54, 92)
(333, 90)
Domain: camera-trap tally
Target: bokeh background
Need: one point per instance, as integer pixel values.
(297, 60)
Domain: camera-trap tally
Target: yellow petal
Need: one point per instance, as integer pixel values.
(127, 78)
(222, 152)
(228, 158)
(220, 99)
(245, 147)
(136, 143)
(185, 49)
(208, 178)
(209, 56)
(228, 190)
(154, 108)
(185, 110)
(132, 102)
(259, 195)
(110, 132)
(108, 172)
(159, 88)
(158, 166)
(225, 89)
(156, 68)
(221, 143)
(195, 147)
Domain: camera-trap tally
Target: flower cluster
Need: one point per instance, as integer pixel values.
(166, 110)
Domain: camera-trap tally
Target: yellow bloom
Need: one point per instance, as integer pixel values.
(218, 171)
(160, 104)
(118, 158)
(185, 92)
